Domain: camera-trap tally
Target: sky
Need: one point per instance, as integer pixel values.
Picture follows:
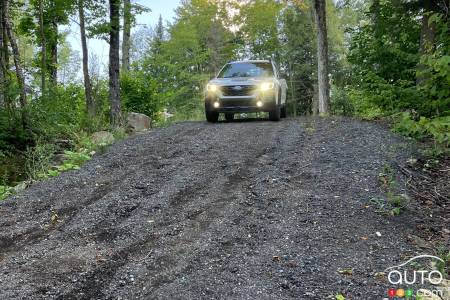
(165, 8)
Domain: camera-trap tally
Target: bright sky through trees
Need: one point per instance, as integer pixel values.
(100, 48)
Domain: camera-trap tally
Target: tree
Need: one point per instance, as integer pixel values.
(298, 58)
(158, 37)
(43, 47)
(322, 56)
(427, 35)
(3, 60)
(260, 28)
(114, 63)
(126, 35)
(87, 81)
(17, 62)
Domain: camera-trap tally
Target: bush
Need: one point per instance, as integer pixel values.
(38, 160)
(437, 128)
(341, 103)
(363, 108)
(140, 94)
(58, 114)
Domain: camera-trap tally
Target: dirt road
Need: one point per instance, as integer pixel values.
(242, 210)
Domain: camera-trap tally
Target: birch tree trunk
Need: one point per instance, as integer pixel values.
(322, 56)
(87, 80)
(126, 35)
(114, 63)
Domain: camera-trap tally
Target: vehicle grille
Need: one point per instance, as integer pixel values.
(232, 90)
(237, 102)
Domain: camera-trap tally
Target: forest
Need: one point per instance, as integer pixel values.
(386, 60)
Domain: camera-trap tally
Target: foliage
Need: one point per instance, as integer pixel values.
(5, 191)
(386, 61)
(435, 70)
(341, 103)
(39, 160)
(436, 128)
(340, 297)
(394, 203)
(59, 113)
(139, 93)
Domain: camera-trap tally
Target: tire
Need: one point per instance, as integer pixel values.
(283, 113)
(229, 117)
(211, 116)
(274, 115)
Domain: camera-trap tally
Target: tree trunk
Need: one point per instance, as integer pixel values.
(17, 64)
(53, 68)
(322, 56)
(43, 47)
(114, 63)
(427, 36)
(87, 81)
(4, 57)
(428, 32)
(126, 35)
(2, 61)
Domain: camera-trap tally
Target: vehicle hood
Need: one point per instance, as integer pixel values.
(240, 80)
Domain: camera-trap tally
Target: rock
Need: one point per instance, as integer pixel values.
(102, 137)
(22, 186)
(58, 159)
(137, 122)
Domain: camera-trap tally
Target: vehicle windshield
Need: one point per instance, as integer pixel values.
(257, 69)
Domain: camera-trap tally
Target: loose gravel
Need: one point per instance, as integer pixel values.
(242, 210)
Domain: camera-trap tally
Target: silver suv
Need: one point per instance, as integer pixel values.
(246, 86)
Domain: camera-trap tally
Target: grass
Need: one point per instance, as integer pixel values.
(39, 159)
(394, 203)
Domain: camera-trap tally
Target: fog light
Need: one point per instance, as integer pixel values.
(216, 104)
(259, 104)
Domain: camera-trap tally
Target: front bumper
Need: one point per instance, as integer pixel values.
(237, 104)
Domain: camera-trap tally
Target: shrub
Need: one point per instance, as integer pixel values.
(38, 160)
(341, 103)
(140, 94)
(437, 128)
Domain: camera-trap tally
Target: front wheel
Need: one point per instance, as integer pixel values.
(212, 116)
(274, 114)
(283, 113)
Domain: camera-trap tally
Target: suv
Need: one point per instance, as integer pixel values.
(246, 86)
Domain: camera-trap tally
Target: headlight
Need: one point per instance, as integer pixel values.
(211, 88)
(266, 86)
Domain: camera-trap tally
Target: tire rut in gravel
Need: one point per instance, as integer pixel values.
(243, 210)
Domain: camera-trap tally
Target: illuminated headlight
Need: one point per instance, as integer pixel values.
(211, 88)
(259, 104)
(266, 86)
(216, 104)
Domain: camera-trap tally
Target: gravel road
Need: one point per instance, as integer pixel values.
(242, 210)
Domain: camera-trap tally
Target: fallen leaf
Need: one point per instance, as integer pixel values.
(346, 271)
